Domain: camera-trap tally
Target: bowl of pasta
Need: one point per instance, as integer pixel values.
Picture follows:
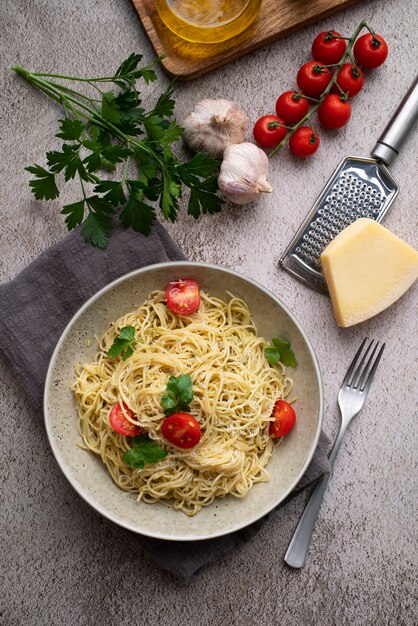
(183, 401)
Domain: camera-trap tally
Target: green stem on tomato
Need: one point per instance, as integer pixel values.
(340, 37)
(321, 66)
(342, 92)
(313, 138)
(338, 66)
(272, 125)
(352, 59)
(371, 31)
(302, 95)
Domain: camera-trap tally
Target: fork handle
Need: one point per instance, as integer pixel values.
(298, 548)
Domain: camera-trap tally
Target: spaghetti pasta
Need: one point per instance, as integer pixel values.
(234, 392)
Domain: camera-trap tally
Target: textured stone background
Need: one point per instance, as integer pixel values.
(60, 563)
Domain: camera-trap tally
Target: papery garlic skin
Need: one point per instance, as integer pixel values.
(244, 172)
(213, 125)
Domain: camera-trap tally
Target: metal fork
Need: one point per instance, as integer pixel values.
(351, 398)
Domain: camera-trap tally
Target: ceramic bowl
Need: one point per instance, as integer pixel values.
(86, 472)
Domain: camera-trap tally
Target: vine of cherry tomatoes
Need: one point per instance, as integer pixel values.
(325, 86)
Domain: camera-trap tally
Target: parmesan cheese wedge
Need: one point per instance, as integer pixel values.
(367, 268)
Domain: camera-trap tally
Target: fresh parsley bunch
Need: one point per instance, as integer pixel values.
(100, 132)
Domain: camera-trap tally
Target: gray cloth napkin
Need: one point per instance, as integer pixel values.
(37, 305)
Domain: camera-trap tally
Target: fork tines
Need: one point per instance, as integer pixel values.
(360, 373)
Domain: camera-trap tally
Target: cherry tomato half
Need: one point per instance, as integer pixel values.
(328, 50)
(268, 136)
(120, 423)
(350, 79)
(284, 419)
(370, 51)
(291, 107)
(183, 296)
(181, 429)
(334, 112)
(304, 141)
(313, 78)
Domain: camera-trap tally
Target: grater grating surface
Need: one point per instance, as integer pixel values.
(359, 187)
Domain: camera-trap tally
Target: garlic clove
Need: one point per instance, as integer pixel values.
(243, 174)
(264, 185)
(213, 125)
(239, 191)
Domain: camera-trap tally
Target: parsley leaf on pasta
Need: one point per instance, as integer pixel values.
(124, 344)
(280, 350)
(179, 394)
(144, 450)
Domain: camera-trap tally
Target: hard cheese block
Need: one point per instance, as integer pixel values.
(367, 268)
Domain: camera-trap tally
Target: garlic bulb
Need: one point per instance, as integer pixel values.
(213, 125)
(244, 172)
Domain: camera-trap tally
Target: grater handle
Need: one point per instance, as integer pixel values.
(391, 140)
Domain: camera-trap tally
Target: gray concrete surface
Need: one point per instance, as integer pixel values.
(60, 563)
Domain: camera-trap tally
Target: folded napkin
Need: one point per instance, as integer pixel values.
(37, 305)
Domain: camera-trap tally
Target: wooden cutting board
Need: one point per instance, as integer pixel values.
(277, 18)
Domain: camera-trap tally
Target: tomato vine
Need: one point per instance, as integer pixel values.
(316, 102)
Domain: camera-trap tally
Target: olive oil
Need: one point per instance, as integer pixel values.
(207, 21)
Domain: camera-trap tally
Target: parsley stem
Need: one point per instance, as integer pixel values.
(82, 188)
(49, 87)
(98, 89)
(128, 159)
(77, 79)
(96, 79)
(72, 91)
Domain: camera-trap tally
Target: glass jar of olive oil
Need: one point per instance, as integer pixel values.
(207, 21)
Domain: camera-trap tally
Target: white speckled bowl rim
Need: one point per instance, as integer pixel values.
(86, 472)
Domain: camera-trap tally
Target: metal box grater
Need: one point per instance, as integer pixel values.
(359, 187)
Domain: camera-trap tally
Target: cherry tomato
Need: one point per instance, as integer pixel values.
(181, 429)
(334, 112)
(350, 79)
(304, 142)
(370, 51)
(328, 50)
(267, 136)
(313, 78)
(120, 423)
(183, 296)
(284, 419)
(291, 107)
